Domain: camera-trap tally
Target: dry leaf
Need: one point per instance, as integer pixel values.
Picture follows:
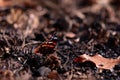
(6, 75)
(5, 3)
(53, 61)
(9, 3)
(100, 61)
(54, 75)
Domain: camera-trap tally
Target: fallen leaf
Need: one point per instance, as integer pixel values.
(5, 3)
(54, 75)
(6, 75)
(53, 61)
(99, 61)
(10, 3)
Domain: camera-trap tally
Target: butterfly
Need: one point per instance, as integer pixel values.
(47, 47)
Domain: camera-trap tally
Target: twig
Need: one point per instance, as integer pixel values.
(31, 43)
(4, 37)
(16, 71)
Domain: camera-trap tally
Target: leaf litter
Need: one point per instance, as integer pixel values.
(84, 27)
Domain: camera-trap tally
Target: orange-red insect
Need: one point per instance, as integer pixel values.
(47, 47)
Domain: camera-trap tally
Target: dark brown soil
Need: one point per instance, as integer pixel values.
(81, 26)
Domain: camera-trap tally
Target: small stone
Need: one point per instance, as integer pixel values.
(44, 71)
(70, 35)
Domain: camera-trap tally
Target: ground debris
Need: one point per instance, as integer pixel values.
(99, 61)
(29, 51)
